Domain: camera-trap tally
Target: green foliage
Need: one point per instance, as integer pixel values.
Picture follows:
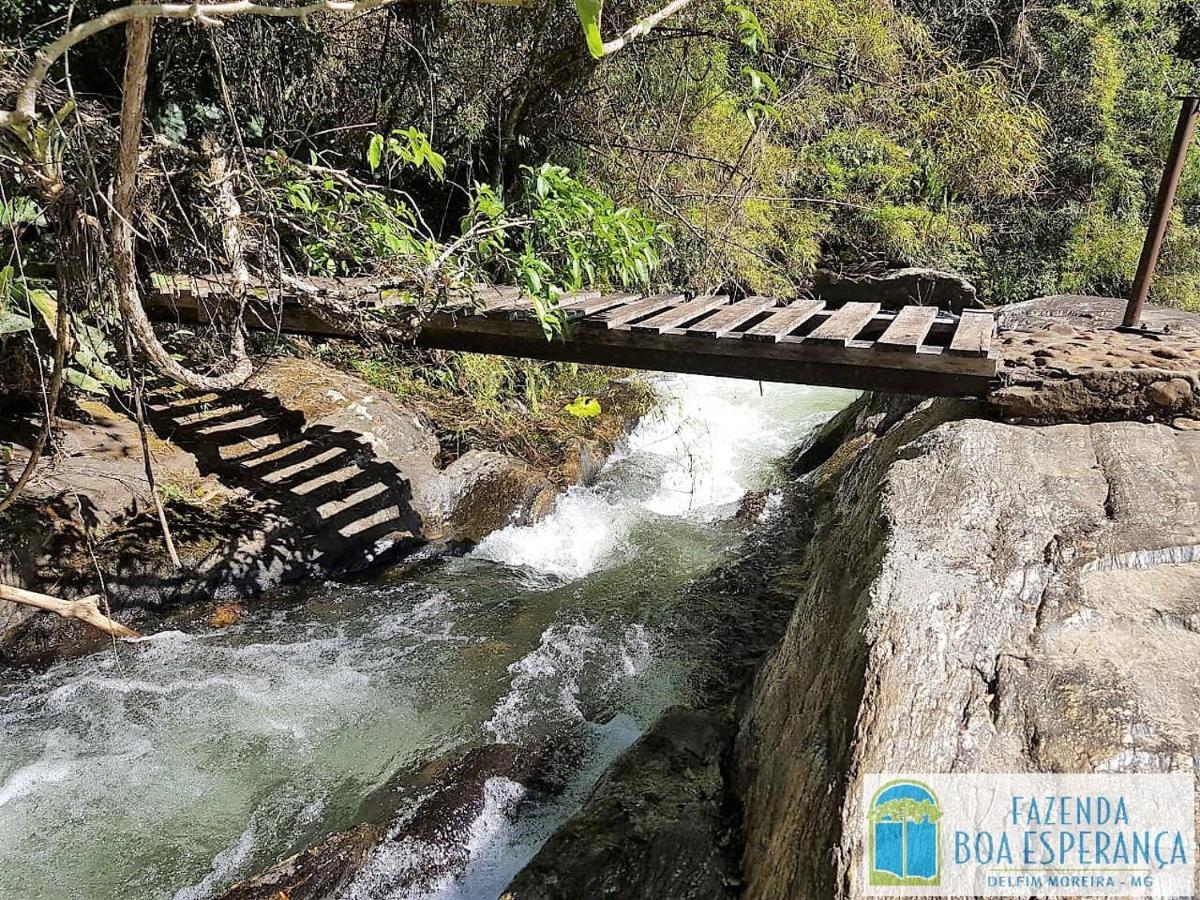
(583, 236)
(561, 235)
(1019, 147)
(90, 350)
(337, 225)
(589, 12)
(749, 31)
(409, 146)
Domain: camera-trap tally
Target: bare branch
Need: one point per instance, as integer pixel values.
(85, 609)
(644, 26)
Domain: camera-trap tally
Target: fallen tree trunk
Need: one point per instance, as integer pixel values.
(85, 609)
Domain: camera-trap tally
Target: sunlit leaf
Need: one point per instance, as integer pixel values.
(589, 17)
(583, 408)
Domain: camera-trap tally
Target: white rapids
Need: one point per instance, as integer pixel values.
(184, 762)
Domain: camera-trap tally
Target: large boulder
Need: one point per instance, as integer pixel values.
(979, 597)
(483, 491)
(898, 287)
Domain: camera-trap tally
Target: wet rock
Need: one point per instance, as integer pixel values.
(752, 505)
(485, 491)
(433, 839)
(583, 461)
(317, 873)
(898, 287)
(654, 827)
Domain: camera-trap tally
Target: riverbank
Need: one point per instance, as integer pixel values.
(345, 704)
(307, 472)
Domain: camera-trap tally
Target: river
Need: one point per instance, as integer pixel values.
(178, 763)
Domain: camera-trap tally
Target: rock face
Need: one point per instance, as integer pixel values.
(318, 873)
(965, 595)
(653, 826)
(979, 596)
(898, 287)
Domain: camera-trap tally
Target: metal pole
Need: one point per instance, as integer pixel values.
(1162, 211)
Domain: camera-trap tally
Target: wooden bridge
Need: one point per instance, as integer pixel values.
(914, 349)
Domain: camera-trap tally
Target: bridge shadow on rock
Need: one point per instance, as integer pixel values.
(318, 500)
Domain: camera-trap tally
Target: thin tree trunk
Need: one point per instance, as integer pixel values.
(137, 57)
(135, 383)
(85, 609)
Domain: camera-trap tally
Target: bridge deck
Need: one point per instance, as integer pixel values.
(916, 349)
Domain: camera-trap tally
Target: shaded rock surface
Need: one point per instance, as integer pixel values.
(655, 825)
(305, 472)
(898, 287)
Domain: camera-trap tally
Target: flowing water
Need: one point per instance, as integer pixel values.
(182, 762)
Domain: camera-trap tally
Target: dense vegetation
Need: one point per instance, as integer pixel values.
(737, 147)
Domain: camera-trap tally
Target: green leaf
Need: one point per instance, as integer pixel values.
(375, 151)
(21, 211)
(583, 407)
(11, 323)
(589, 17)
(44, 303)
(84, 382)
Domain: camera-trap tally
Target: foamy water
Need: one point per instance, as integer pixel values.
(695, 457)
(188, 761)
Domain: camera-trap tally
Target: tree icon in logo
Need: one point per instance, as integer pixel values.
(904, 836)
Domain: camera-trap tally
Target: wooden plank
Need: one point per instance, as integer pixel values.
(679, 315)
(490, 299)
(522, 307)
(728, 318)
(599, 341)
(973, 336)
(909, 329)
(784, 321)
(594, 303)
(622, 315)
(843, 324)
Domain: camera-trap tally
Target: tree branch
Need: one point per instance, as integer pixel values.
(85, 609)
(644, 26)
(137, 56)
